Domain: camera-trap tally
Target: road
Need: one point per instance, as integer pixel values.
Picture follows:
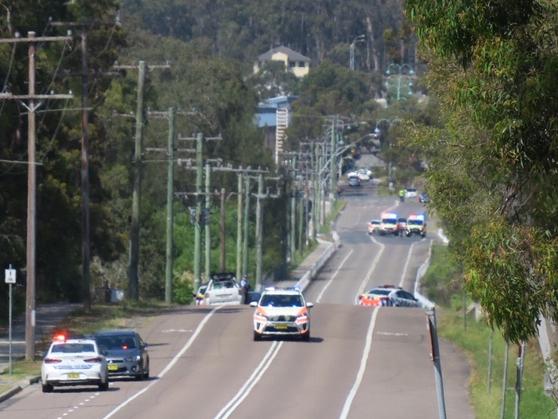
(360, 362)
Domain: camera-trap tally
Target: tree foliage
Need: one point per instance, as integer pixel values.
(493, 155)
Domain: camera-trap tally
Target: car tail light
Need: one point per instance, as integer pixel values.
(95, 360)
(52, 360)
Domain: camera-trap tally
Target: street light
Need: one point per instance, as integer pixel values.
(358, 38)
(400, 71)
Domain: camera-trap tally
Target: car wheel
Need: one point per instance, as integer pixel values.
(47, 388)
(257, 336)
(146, 374)
(306, 336)
(104, 386)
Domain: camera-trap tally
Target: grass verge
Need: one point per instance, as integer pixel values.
(338, 206)
(443, 284)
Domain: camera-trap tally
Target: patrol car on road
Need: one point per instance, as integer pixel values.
(73, 362)
(281, 312)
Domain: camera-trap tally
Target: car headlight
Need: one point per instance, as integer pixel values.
(261, 316)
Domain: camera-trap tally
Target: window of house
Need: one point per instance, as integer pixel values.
(292, 64)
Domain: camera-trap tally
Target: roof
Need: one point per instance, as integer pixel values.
(293, 55)
(281, 291)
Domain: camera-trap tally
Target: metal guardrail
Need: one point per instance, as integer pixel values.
(425, 302)
(303, 282)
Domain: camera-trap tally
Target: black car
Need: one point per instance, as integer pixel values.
(125, 352)
(424, 198)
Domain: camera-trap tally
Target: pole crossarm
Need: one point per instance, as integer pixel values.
(35, 39)
(5, 96)
(136, 66)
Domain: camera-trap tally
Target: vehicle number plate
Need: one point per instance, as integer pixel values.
(112, 367)
(73, 375)
(281, 326)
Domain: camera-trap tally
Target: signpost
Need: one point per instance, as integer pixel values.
(10, 279)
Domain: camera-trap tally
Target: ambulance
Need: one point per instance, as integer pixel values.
(416, 224)
(388, 223)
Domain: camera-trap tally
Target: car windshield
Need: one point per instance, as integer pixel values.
(389, 221)
(415, 222)
(116, 342)
(411, 190)
(223, 284)
(71, 348)
(374, 222)
(271, 300)
(377, 291)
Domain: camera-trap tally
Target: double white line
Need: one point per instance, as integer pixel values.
(251, 382)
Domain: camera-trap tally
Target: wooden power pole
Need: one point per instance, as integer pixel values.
(31, 102)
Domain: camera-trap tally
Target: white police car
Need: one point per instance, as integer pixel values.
(73, 362)
(281, 312)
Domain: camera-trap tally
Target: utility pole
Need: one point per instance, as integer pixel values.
(31, 106)
(292, 235)
(133, 265)
(84, 156)
(246, 215)
(239, 227)
(259, 229)
(259, 223)
(197, 227)
(200, 139)
(333, 162)
(313, 164)
(170, 209)
(207, 221)
(85, 217)
(223, 253)
(133, 270)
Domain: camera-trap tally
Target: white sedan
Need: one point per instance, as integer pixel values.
(74, 362)
(223, 289)
(362, 174)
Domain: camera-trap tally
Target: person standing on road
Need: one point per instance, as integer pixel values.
(402, 195)
(245, 288)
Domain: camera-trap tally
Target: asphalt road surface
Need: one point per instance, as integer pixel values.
(360, 362)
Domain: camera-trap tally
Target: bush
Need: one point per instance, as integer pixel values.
(183, 288)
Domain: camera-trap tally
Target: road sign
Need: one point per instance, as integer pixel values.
(10, 276)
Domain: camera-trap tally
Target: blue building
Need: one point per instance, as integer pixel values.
(273, 115)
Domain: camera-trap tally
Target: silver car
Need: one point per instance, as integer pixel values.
(125, 352)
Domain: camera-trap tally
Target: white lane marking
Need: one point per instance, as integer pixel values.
(392, 334)
(176, 331)
(404, 273)
(169, 365)
(333, 276)
(362, 368)
(250, 383)
(369, 273)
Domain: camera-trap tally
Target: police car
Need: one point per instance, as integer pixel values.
(73, 362)
(416, 224)
(388, 295)
(281, 312)
(388, 223)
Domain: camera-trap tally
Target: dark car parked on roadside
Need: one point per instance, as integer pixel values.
(125, 352)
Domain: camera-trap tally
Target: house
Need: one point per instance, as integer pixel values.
(273, 115)
(294, 62)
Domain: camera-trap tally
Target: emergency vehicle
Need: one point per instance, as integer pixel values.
(416, 224)
(281, 311)
(388, 223)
